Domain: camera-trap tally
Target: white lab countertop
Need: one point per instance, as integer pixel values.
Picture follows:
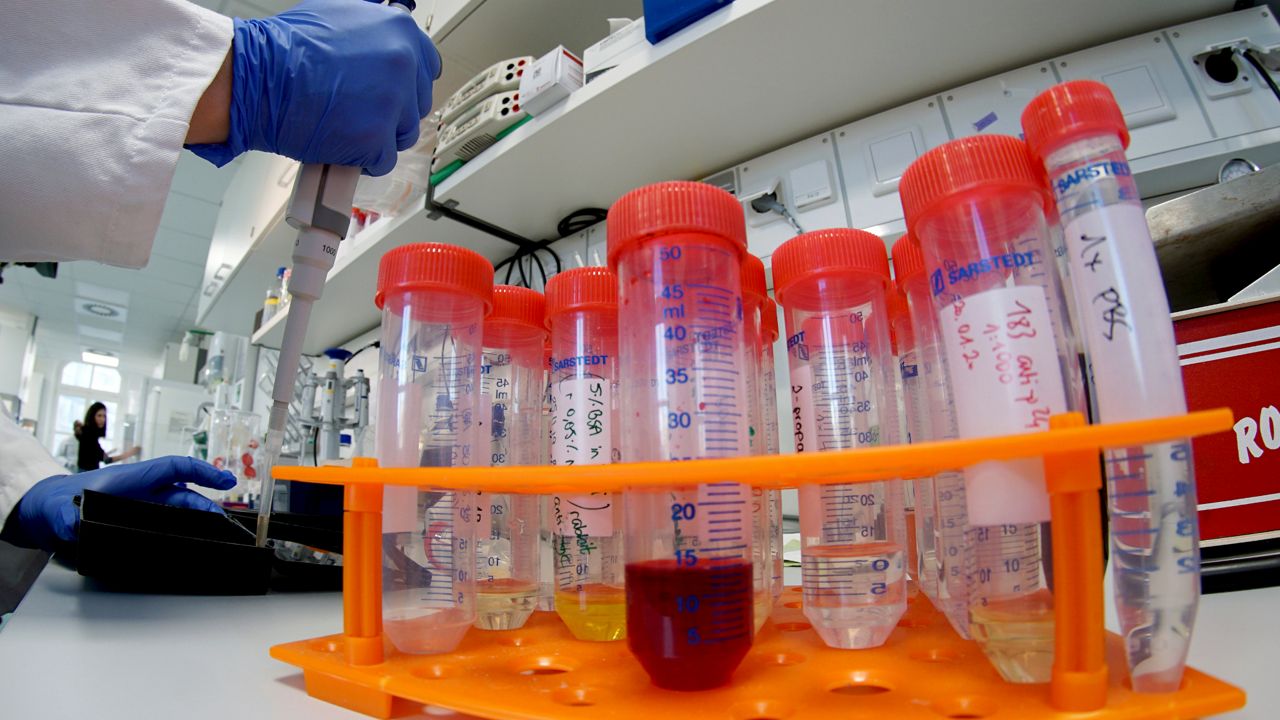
(72, 651)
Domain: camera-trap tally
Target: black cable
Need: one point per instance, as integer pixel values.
(1250, 58)
(556, 256)
(498, 267)
(373, 344)
(574, 222)
(580, 220)
(541, 270)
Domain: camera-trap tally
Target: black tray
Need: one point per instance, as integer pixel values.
(136, 546)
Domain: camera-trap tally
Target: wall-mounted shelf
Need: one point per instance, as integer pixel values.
(759, 74)
(473, 34)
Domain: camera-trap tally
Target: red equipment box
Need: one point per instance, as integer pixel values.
(1230, 356)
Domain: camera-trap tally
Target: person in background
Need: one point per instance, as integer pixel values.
(92, 456)
(69, 452)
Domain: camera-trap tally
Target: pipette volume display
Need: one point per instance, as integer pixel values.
(587, 530)
(510, 418)
(678, 248)
(976, 205)
(832, 287)
(433, 299)
(1077, 130)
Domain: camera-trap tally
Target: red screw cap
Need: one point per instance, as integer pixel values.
(435, 266)
(990, 163)
(823, 252)
(584, 288)
(1070, 111)
(908, 259)
(517, 306)
(753, 280)
(674, 207)
(769, 321)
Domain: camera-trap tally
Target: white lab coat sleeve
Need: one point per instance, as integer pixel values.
(95, 100)
(23, 463)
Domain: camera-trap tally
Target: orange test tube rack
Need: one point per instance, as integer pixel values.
(923, 671)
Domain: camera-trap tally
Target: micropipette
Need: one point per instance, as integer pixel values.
(320, 210)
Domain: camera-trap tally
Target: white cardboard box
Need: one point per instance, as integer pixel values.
(549, 80)
(614, 48)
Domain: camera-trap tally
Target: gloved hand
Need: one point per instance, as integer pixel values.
(47, 514)
(328, 81)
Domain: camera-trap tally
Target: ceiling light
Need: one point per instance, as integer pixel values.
(97, 357)
(100, 309)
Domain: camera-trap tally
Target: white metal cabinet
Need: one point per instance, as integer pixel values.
(875, 151)
(994, 106)
(1158, 103)
(597, 238)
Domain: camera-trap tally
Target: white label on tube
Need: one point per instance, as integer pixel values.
(582, 434)
(1127, 328)
(1006, 380)
(804, 425)
(583, 515)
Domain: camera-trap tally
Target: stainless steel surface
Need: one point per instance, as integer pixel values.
(1215, 241)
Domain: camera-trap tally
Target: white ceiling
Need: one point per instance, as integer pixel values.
(156, 304)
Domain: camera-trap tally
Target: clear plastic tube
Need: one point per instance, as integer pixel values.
(508, 552)
(753, 297)
(772, 440)
(547, 561)
(677, 248)
(977, 207)
(923, 557)
(938, 422)
(587, 530)
(1079, 132)
(832, 287)
(433, 299)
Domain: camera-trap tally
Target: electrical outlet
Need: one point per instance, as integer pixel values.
(1220, 73)
(751, 204)
(790, 190)
(1234, 95)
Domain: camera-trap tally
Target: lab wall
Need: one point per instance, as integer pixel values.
(49, 368)
(15, 349)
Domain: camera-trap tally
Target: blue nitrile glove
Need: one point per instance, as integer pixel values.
(47, 514)
(343, 82)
